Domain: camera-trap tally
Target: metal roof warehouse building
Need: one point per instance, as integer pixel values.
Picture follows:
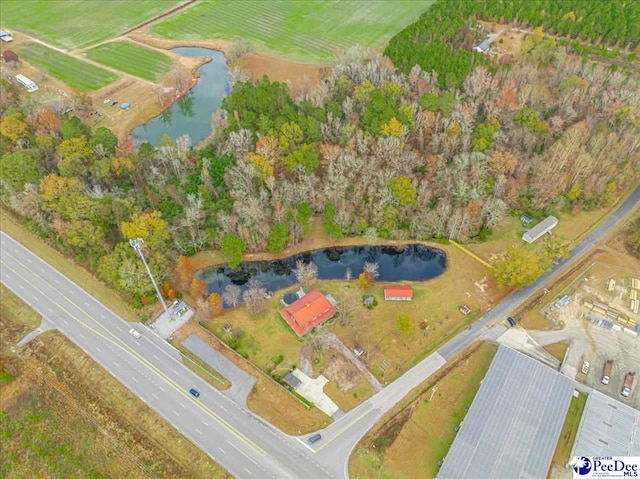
(607, 428)
(512, 427)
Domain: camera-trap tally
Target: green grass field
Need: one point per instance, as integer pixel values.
(79, 23)
(307, 31)
(75, 73)
(138, 61)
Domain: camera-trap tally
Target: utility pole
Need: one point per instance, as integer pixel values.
(136, 244)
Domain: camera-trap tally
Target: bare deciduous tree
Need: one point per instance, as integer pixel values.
(231, 295)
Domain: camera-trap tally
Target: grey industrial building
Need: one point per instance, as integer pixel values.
(608, 428)
(513, 424)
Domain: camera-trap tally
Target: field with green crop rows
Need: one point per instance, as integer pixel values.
(75, 73)
(138, 61)
(303, 30)
(78, 23)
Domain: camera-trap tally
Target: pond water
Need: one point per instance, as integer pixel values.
(191, 114)
(409, 263)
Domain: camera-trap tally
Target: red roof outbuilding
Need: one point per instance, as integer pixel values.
(398, 293)
(308, 312)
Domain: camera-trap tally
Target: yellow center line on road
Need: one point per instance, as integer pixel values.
(126, 348)
(344, 429)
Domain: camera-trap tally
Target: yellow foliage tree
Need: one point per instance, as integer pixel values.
(363, 91)
(148, 226)
(393, 128)
(215, 304)
(518, 267)
(291, 135)
(260, 164)
(122, 165)
(53, 187)
(198, 289)
(13, 128)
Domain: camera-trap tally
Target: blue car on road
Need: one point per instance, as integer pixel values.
(194, 392)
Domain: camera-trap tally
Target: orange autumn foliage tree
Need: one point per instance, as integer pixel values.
(215, 304)
(198, 289)
(183, 273)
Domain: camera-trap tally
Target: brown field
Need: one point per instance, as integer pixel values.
(75, 419)
(411, 439)
(557, 350)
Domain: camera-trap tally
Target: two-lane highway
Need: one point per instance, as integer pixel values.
(245, 445)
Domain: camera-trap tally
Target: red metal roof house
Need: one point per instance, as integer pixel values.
(308, 312)
(398, 293)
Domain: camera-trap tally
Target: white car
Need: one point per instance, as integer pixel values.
(135, 333)
(585, 367)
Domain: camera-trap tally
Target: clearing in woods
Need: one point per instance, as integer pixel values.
(79, 23)
(306, 31)
(135, 60)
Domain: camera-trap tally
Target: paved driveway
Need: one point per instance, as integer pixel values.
(241, 382)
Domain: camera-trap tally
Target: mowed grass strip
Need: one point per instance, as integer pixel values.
(79, 23)
(310, 30)
(138, 61)
(75, 73)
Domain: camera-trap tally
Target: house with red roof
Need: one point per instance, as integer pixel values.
(308, 312)
(398, 293)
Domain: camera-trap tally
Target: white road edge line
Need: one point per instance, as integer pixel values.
(241, 452)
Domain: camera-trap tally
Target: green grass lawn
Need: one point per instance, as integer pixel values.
(309, 30)
(79, 23)
(138, 61)
(75, 73)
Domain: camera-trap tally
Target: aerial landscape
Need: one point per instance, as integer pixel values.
(320, 239)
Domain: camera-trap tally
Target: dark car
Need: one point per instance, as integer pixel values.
(511, 321)
(194, 392)
(314, 438)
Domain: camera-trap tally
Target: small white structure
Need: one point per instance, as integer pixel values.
(30, 85)
(5, 36)
(545, 226)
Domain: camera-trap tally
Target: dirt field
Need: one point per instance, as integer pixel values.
(411, 439)
(63, 416)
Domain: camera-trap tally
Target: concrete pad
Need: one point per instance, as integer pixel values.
(312, 390)
(520, 340)
(165, 326)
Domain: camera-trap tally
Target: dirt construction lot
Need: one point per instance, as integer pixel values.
(593, 343)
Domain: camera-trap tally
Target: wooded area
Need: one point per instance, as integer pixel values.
(373, 151)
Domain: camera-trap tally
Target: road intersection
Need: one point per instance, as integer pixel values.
(243, 443)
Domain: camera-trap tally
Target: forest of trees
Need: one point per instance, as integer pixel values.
(441, 40)
(372, 152)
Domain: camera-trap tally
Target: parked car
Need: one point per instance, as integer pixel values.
(511, 321)
(135, 333)
(585, 367)
(194, 392)
(314, 438)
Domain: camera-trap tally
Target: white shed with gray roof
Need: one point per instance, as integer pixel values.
(545, 226)
(513, 425)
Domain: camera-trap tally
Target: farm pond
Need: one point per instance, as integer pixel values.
(397, 263)
(191, 114)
